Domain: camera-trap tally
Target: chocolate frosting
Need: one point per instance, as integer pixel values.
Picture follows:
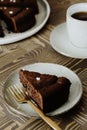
(21, 3)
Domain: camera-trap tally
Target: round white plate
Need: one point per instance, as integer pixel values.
(46, 68)
(41, 19)
(60, 42)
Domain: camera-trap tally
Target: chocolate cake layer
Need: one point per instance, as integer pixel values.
(18, 19)
(21, 3)
(37, 79)
(48, 91)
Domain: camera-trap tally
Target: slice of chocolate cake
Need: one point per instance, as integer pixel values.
(48, 91)
(19, 15)
(21, 3)
(18, 19)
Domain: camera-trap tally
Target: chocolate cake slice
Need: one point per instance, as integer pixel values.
(21, 3)
(48, 91)
(18, 19)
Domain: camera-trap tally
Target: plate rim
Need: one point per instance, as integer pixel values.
(50, 113)
(62, 52)
(5, 40)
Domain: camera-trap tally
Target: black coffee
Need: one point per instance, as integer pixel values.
(80, 16)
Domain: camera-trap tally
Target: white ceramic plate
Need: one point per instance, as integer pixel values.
(47, 68)
(60, 42)
(41, 19)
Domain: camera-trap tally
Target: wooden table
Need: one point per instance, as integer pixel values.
(38, 49)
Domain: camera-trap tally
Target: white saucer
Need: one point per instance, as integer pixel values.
(60, 42)
(46, 68)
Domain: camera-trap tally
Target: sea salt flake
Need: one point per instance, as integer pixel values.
(10, 12)
(38, 78)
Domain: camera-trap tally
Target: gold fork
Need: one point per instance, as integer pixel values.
(20, 96)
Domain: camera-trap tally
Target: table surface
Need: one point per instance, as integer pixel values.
(38, 49)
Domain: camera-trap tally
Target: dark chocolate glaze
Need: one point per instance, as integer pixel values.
(20, 3)
(18, 19)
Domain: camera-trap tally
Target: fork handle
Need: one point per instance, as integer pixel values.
(48, 120)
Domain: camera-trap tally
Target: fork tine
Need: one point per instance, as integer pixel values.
(11, 90)
(18, 95)
(20, 91)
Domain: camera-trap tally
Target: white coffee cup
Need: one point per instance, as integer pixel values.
(77, 29)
